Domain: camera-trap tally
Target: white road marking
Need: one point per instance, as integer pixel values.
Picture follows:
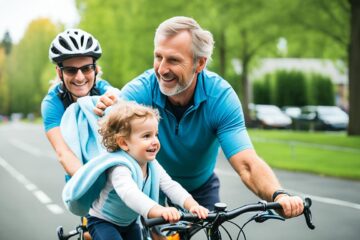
(40, 195)
(30, 187)
(54, 208)
(326, 200)
(25, 147)
(30, 149)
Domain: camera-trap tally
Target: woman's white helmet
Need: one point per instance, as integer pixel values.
(74, 43)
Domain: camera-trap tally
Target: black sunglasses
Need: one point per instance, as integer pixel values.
(72, 71)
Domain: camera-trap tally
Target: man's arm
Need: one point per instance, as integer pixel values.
(65, 156)
(261, 180)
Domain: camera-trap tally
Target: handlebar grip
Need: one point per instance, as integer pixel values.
(273, 205)
(150, 222)
(307, 213)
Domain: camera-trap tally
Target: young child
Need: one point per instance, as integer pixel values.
(133, 128)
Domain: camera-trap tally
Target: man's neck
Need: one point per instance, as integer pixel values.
(183, 99)
(179, 100)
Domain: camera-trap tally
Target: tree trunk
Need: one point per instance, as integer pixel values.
(354, 70)
(245, 90)
(245, 59)
(222, 53)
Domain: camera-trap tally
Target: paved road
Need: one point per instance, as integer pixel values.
(31, 181)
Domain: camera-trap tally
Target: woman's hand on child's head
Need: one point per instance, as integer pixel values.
(200, 211)
(170, 214)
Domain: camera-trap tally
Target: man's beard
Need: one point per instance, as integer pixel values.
(179, 88)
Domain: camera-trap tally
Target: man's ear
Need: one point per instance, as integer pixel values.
(200, 64)
(121, 142)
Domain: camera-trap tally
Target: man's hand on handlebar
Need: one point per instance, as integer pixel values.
(106, 100)
(292, 206)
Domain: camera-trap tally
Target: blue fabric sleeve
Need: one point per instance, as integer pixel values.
(52, 111)
(231, 130)
(139, 89)
(103, 86)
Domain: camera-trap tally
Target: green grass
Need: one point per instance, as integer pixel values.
(330, 154)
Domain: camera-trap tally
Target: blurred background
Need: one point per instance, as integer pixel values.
(295, 65)
(284, 53)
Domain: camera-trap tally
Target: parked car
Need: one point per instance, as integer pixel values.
(292, 112)
(268, 116)
(16, 117)
(3, 118)
(322, 118)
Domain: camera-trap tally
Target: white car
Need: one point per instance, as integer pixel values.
(322, 118)
(269, 116)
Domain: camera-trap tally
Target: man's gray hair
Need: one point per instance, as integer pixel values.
(202, 40)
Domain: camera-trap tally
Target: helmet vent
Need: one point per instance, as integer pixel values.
(64, 43)
(96, 49)
(89, 43)
(74, 42)
(55, 50)
(82, 40)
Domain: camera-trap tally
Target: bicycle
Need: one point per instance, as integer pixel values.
(77, 232)
(190, 224)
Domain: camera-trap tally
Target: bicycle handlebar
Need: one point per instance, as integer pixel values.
(307, 213)
(77, 231)
(223, 216)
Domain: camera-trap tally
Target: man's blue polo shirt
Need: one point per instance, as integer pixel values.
(189, 148)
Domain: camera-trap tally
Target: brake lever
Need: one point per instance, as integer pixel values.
(307, 213)
(268, 214)
(179, 226)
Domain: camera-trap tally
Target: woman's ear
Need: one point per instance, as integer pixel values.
(59, 72)
(121, 142)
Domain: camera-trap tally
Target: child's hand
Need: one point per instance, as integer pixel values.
(200, 211)
(170, 214)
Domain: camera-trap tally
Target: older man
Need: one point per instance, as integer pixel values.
(199, 113)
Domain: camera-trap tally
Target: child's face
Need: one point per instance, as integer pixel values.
(143, 143)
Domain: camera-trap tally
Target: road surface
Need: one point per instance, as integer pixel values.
(31, 181)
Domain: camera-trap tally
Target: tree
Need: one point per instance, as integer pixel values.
(354, 69)
(26, 64)
(332, 27)
(242, 30)
(125, 29)
(4, 104)
(6, 43)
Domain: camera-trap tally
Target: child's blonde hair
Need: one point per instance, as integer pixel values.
(117, 123)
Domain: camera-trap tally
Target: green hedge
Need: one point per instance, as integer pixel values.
(293, 88)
